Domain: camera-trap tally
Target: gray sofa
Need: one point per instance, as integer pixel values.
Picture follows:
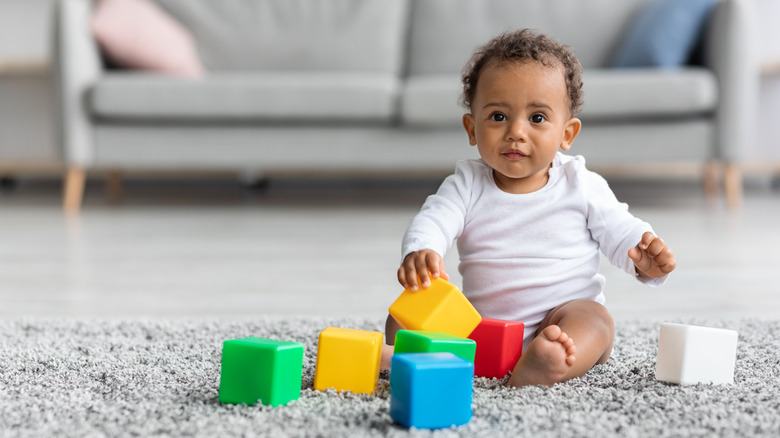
(372, 86)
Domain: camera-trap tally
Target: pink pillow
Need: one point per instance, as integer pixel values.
(139, 34)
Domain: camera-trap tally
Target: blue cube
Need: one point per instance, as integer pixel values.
(431, 390)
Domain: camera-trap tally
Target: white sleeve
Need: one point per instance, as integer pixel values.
(612, 226)
(442, 217)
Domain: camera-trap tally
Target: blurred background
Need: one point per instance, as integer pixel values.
(197, 241)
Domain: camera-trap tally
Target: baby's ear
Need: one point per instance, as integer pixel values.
(570, 132)
(468, 125)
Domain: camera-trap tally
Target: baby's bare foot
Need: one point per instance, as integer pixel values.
(546, 361)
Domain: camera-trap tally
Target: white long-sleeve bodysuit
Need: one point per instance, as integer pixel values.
(523, 255)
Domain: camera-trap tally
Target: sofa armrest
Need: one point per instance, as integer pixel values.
(732, 52)
(77, 66)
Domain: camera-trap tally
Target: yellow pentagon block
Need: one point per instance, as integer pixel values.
(439, 308)
(348, 360)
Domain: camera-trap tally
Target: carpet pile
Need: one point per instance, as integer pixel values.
(75, 377)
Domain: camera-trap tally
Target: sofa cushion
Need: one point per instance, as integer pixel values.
(138, 34)
(286, 35)
(663, 34)
(432, 100)
(444, 33)
(611, 93)
(292, 97)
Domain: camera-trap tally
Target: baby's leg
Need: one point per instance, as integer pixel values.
(391, 328)
(571, 339)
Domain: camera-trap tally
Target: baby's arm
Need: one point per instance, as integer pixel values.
(420, 264)
(652, 257)
(433, 230)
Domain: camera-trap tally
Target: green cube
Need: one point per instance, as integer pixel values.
(264, 370)
(419, 341)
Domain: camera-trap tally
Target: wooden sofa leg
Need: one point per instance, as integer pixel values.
(114, 187)
(734, 189)
(713, 174)
(73, 193)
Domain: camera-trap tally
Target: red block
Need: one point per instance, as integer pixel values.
(499, 346)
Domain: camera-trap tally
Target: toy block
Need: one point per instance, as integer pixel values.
(348, 360)
(690, 354)
(260, 370)
(438, 308)
(417, 341)
(499, 346)
(431, 390)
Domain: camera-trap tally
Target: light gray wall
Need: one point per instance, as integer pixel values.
(25, 29)
(26, 97)
(26, 120)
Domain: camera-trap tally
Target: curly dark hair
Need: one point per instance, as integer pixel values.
(520, 45)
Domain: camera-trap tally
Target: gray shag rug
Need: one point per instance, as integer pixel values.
(67, 377)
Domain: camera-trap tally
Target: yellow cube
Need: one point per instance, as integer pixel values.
(348, 360)
(438, 308)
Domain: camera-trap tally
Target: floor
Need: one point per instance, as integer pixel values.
(215, 247)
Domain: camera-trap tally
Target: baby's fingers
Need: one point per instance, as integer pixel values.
(635, 254)
(443, 271)
(428, 265)
(424, 265)
(412, 270)
(435, 265)
(665, 260)
(656, 247)
(403, 278)
(652, 256)
(647, 239)
(421, 266)
(407, 273)
(641, 259)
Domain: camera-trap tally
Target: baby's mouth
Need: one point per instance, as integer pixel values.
(514, 155)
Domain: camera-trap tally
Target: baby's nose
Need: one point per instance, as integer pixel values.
(517, 132)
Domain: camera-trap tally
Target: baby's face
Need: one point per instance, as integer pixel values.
(519, 119)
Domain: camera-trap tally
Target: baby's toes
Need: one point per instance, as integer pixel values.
(552, 333)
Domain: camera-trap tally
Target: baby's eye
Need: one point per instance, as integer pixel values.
(498, 117)
(538, 118)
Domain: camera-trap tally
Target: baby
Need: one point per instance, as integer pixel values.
(530, 221)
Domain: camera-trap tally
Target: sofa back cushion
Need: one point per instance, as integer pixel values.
(444, 33)
(137, 34)
(299, 35)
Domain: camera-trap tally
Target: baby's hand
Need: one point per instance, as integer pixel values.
(419, 264)
(652, 257)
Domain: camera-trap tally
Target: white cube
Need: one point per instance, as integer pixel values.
(689, 354)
